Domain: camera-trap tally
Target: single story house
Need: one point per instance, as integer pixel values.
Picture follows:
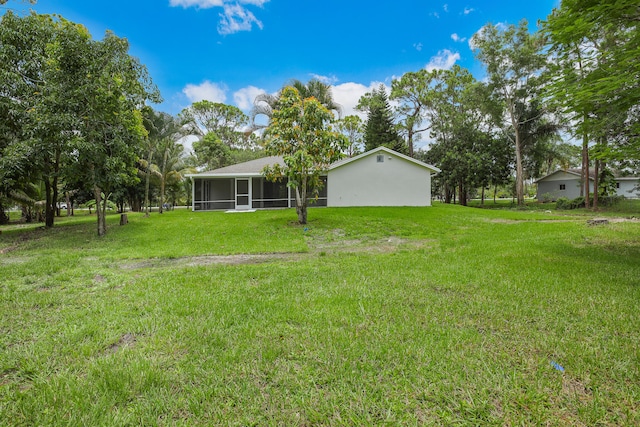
(380, 177)
(567, 184)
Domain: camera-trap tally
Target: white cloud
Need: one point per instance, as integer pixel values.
(234, 18)
(456, 38)
(244, 97)
(445, 7)
(206, 90)
(328, 80)
(207, 4)
(418, 46)
(203, 4)
(434, 14)
(348, 95)
(444, 60)
(468, 10)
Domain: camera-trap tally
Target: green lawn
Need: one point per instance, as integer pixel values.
(400, 316)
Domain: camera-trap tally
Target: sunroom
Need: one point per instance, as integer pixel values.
(243, 187)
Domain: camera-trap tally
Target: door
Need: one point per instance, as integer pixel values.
(243, 193)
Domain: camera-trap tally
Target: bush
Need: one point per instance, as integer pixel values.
(547, 197)
(563, 203)
(577, 203)
(610, 200)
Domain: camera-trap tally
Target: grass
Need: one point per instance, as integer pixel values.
(401, 316)
(625, 207)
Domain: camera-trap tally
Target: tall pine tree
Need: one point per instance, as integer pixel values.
(379, 128)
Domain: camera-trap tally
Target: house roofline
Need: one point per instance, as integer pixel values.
(343, 162)
(558, 171)
(223, 175)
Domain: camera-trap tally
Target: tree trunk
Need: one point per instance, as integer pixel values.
(463, 194)
(410, 143)
(519, 171)
(585, 163)
(301, 205)
(596, 184)
(146, 185)
(68, 200)
(49, 204)
(482, 197)
(495, 191)
(100, 210)
(4, 218)
(161, 195)
(447, 193)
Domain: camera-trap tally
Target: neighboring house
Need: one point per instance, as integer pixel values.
(380, 177)
(567, 184)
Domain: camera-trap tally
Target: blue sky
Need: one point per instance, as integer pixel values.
(231, 50)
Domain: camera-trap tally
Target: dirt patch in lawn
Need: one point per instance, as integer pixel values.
(126, 340)
(316, 247)
(203, 260)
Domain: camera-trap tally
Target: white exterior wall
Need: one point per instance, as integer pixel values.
(551, 186)
(365, 182)
(626, 188)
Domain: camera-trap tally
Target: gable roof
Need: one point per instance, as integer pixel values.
(250, 168)
(255, 167)
(386, 150)
(575, 172)
(592, 173)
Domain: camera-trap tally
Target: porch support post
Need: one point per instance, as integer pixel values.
(193, 195)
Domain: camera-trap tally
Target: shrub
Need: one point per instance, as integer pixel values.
(547, 197)
(610, 200)
(563, 203)
(577, 203)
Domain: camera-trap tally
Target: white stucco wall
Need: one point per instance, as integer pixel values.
(626, 188)
(551, 184)
(365, 182)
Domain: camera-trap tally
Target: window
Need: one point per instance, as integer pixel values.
(380, 158)
(563, 187)
(617, 185)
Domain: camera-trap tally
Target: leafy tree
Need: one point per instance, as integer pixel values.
(34, 53)
(109, 88)
(379, 127)
(461, 136)
(595, 48)
(225, 121)
(74, 102)
(211, 152)
(537, 133)
(301, 132)
(23, 1)
(352, 127)
(513, 58)
(413, 93)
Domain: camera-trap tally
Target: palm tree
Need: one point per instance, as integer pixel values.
(265, 103)
(163, 128)
(169, 162)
